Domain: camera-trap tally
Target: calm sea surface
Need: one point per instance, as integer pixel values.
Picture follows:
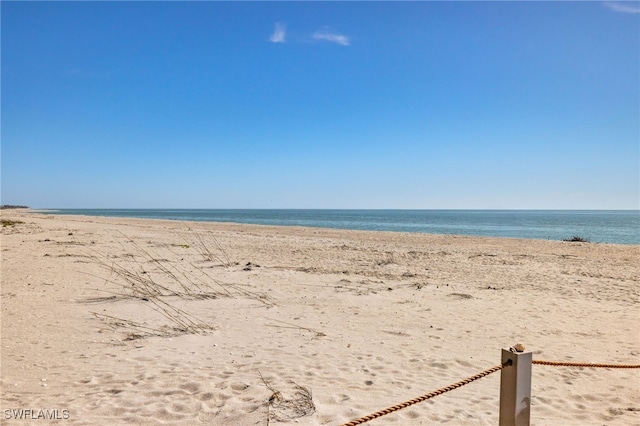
(606, 226)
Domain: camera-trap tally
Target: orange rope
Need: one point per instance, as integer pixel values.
(476, 377)
(426, 396)
(583, 364)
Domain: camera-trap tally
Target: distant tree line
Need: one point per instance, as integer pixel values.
(11, 206)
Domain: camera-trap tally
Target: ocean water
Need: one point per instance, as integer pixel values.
(597, 226)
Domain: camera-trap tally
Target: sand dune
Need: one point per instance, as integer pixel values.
(126, 321)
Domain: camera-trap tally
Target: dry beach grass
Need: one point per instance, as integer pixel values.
(131, 321)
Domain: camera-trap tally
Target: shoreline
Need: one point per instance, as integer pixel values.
(329, 229)
(362, 319)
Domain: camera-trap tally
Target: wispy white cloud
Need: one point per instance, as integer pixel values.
(625, 7)
(279, 34)
(332, 37)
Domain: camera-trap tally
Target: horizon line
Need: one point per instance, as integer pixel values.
(329, 208)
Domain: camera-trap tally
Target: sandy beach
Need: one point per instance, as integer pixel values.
(132, 321)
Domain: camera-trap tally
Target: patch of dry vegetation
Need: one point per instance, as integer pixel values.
(9, 222)
(156, 281)
(283, 408)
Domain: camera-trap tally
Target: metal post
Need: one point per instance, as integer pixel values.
(515, 387)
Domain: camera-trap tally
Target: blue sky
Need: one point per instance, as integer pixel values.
(483, 105)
